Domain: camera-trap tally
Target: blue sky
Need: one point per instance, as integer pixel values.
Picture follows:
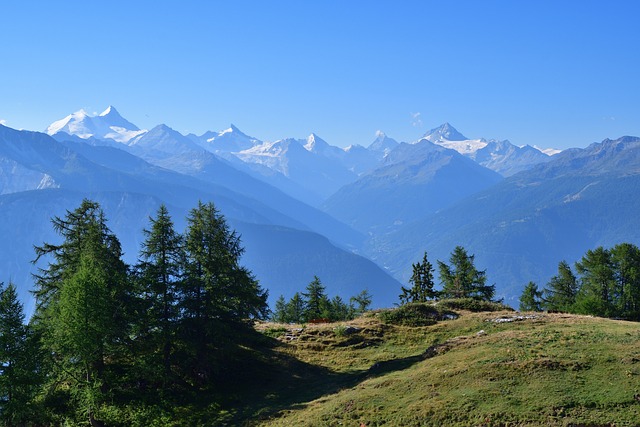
(552, 73)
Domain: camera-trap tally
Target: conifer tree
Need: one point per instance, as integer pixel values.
(560, 292)
(279, 314)
(422, 281)
(597, 283)
(531, 298)
(462, 279)
(626, 262)
(17, 367)
(316, 301)
(216, 291)
(82, 305)
(159, 273)
(361, 302)
(295, 312)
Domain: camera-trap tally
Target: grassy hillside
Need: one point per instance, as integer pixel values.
(487, 368)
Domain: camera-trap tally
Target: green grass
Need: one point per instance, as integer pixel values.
(547, 370)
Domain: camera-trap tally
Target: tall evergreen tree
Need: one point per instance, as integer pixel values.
(295, 312)
(462, 279)
(159, 272)
(217, 290)
(317, 303)
(422, 288)
(82, 309)
(279, 314)
(560, 293)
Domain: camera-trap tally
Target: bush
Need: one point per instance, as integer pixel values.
(415, 314)
(472, 304)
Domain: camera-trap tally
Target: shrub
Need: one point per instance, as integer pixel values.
(472, 304)
(413, 314)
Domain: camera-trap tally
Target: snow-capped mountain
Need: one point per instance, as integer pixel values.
(230, 140)
(383, 144)
(108, 125)
(500, 156)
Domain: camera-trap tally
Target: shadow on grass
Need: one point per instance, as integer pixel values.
(274, 382)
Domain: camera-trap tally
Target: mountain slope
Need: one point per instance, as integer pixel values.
(417, 179)
(130, 189)
(522, 227)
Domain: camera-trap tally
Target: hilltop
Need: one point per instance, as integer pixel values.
(483, 368)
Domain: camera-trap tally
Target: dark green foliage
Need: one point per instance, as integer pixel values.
(83, 304)
(159, 275)
(597, 283)
(415, 314)
(560, 293)
(531, 298)
(462, 280)
(18, 361)
(422, 282)
(316, 301)
(314, 304)
(472, 304)
(626, 263)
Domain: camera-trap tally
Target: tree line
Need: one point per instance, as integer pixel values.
(315, 305)
(605, 282)
(104, 332)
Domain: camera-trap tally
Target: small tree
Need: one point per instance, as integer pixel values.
(316, 301)
(462, 279)
(279, 314)
(361, 302)
(295, 312)
(531, 298)
(423, 284)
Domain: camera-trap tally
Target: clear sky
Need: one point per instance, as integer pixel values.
(551, 73)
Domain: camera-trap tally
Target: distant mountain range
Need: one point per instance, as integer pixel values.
(305, 207)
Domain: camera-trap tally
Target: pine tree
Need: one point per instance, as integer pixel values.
(531, 298)
(462, 279)
(316, 301)
(159, 273)
(560, 292)
(340, 310)
(423, 284)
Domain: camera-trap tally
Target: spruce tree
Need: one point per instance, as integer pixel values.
(295, 312)
(316, 301)
(159, 272)
(217, 292)
(462, 279)
(422, 288)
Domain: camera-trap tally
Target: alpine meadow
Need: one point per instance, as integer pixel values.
(362, 214)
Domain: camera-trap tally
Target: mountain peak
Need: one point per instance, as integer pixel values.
(110, 111)
(444, 132)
